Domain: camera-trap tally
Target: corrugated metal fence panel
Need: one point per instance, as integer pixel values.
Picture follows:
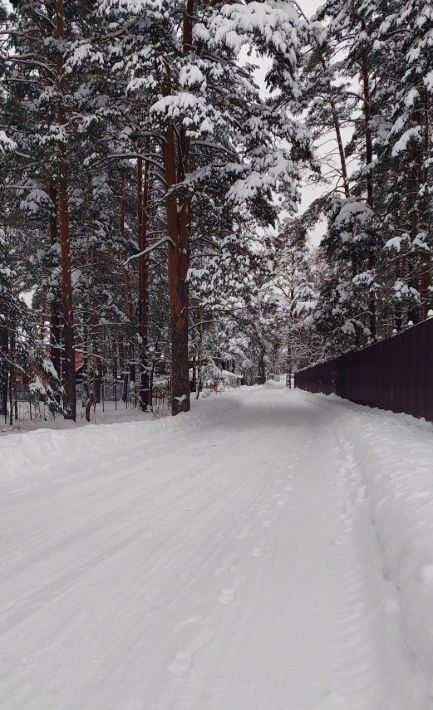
(394, 374)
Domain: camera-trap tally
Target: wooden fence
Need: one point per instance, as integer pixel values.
(394, 374)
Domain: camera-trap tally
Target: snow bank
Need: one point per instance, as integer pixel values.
(44, 449)
(395, 453)
(400, 475)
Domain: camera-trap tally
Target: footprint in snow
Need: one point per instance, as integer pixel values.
(178, 628)
(257, 552)
(228, 564)
(332, 701)
(244, 534)
(227, 596)
(262, 512)
(181, 664)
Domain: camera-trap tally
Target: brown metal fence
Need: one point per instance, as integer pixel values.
(394, 374)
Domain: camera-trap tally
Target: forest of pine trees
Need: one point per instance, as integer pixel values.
(150, 181)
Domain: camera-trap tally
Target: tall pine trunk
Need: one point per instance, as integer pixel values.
(143, 280)
(423, 208)
(123, 268)
(177, 164)
(70, 405)
(370, 183)
(55, 315)
(4, 370)
(177, 288)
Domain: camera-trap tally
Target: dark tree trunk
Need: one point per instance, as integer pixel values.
(370, 183)
(70, 405)
(193, 387)
(125, 386)
(98, 380)
(339, 138)
(199, 385)
(125, 272)
(262, 368)
(55, 315)
(176, 166)
(398, 310)
(414, 264)
(178, 260)
(11, 386)
(181, 257)
(423, 207)
(143, 280)
(4, 371)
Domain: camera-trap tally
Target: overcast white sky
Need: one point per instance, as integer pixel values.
(309, 6)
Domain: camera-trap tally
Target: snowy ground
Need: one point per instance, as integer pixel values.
(272, 550)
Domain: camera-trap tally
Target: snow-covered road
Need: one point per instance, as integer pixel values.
(270, 551)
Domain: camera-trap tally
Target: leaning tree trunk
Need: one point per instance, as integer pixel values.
(338, 136)
(70, 404)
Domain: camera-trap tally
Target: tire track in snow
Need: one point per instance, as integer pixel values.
(276, 512)
(98, 526)
(214, 558)
(229, 489)
(245, 569)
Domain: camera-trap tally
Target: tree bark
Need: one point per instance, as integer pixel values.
(338, 135)
(177, 288)
(4, 370)
(370, 184)
(423, 210)
(177, 165)
(55, 325)
(12, 376)
(123, 268)
(70, 405)
(143, 280)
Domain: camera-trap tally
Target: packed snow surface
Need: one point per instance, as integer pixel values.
(272, 550)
